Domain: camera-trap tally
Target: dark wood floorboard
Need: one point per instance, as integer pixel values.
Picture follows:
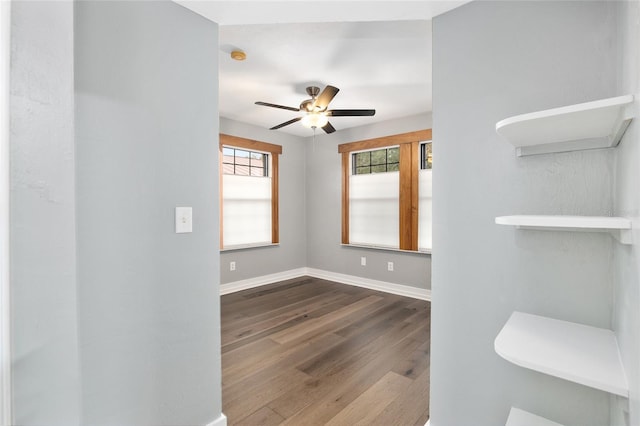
(309, 352)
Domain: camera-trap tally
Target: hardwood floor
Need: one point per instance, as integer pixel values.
(312, 352)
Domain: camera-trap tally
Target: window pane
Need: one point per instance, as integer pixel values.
(426, 156)
(393, 167)
(363, 170)
(393, 155)
(227, 156)
(242, 170)
(257, 159)
(379, 156)
(257, 171)
(227, 169)
(363, 159)
(242, 157)
(379, 169)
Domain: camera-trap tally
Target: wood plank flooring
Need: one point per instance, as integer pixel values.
(313, 352)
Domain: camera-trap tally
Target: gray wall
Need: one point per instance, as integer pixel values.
(310, 210)
(291, 253)
(323, 190)
(493, 60)
(627, 203)
(46, 383)
(146, 142)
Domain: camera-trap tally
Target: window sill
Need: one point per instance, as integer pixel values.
(248, 246)
(368, 247)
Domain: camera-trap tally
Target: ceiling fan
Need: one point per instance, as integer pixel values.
(316, 112)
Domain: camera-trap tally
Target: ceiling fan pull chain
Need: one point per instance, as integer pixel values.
(314, 141)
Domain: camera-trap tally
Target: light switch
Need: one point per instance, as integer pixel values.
(184, 220)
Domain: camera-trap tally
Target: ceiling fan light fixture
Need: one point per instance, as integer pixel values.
(313, 120)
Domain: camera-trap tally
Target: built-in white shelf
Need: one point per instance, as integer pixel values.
(619, 227)
(574, 352)
(519, 417)
(590, 125)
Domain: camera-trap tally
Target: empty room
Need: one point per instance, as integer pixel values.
(319, 213)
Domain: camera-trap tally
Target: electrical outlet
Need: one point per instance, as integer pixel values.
(363, 261)
(232, 266)
(389, 266)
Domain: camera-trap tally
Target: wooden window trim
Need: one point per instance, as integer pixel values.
(385, 141)
(409, 196)
(250, 144)
(275, 151)
(345, 197)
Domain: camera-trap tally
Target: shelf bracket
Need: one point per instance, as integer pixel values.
(620, 126)
(624, 236)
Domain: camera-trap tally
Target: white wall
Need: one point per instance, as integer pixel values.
(323, 190)
(291, 253)
(493, 60)
(45, 362)
(626, 320)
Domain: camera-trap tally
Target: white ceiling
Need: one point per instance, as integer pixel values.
(377, 53)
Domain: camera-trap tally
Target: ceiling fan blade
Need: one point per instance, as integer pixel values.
(277, 106)
(328, 128)
(351, 112)
(286, 123)
(326, 96)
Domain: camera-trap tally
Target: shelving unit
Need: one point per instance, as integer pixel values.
(519, 417)
(575, 352)
(619, 227)
(590, 125)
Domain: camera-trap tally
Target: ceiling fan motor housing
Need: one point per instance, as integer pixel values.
(313, 91)
(308, 105)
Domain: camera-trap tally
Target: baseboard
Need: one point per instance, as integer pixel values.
(220, 421)
(387, 287)
(234, 286)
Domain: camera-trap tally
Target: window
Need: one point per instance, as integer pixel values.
(381, 194)
(425, 155)
(242, 162)
(425, 197)
(374, 198)
(248, 192)
(378, 161)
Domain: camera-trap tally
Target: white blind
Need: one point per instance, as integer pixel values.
(374, 203)
(246, 210)
(424, 209)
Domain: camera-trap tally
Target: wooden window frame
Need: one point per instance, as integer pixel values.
(409, 168)
(250, 144)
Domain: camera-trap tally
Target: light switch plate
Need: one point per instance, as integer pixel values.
(184, 220)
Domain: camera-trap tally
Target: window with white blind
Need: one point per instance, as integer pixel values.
(374, 200)
(425, 198)
(386, 192)
(248, 192)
